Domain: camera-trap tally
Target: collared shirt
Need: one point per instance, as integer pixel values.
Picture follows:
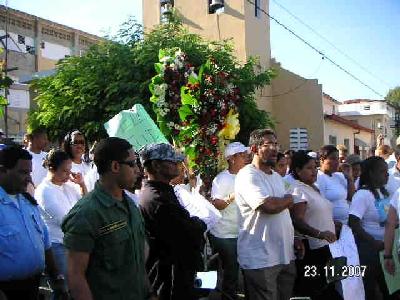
(23, 238)
(112, 231)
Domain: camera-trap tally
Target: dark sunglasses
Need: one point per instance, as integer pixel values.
(131, 163)
(78, 143)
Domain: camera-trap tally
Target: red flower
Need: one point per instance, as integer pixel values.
(214, 140)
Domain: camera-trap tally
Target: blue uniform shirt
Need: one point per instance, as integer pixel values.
(23, 238)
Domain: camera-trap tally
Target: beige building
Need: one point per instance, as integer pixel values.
(34, 45)
(238, 20)
(293, 101)
(297, 109)
(338, 130)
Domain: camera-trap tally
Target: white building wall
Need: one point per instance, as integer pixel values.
(54, 51)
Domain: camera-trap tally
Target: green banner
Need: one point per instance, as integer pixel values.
(136, 126)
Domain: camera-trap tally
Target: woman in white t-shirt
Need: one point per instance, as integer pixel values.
(390, 228)
(335, 186)
(56, 195)
(76, 147)
(367, 218)
(312, 216)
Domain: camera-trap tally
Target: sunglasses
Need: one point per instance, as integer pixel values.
(131, 163)
(78, 143)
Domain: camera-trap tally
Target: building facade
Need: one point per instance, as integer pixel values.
(377, 115)
(34, 45)
(338, 130)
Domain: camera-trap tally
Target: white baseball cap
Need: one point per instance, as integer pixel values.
(235, 147)
(312, 154)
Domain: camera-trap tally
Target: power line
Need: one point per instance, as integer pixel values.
(316, 50)
(331, 44)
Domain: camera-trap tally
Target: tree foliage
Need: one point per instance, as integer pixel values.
(114, 75)
(393, 97)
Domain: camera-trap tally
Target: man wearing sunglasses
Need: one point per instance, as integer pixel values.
(175, 238)
(104, 231)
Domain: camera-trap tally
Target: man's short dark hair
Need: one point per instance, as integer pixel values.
(257, 136)
(108, 150)
(10, 155)
(37, 132)
(327, 150)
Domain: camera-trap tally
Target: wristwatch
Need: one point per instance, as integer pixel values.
(60, 277)
(387, 256)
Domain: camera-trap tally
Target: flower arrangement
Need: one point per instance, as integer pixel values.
(199, 112)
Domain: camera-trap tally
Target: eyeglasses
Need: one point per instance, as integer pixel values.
(271, 145)
(131, 163)
(78, 142)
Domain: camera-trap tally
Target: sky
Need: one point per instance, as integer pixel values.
(361, 36)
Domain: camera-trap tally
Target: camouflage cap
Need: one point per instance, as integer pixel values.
(160, 151)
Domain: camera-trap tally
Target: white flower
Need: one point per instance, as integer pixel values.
(165, 59)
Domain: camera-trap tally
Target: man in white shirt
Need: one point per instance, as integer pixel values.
(394, 174)
(266, 235)
(38, 142)
(223, 235)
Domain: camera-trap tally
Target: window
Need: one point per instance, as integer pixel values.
(332, 140)
(367, 107)
(257, 6)
(298, 139)
(21, 39)
(30, 49)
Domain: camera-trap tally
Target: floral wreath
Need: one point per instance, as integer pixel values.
(198, 112)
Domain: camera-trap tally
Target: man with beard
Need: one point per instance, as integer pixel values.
(175, 238)
(266, 235)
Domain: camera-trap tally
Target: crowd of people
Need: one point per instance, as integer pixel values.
(112, 223)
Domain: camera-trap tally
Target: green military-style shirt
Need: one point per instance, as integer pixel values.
(112, 232)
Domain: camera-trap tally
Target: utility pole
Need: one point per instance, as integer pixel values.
(5, 75)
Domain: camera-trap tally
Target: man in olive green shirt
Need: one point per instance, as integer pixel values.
(104, 232)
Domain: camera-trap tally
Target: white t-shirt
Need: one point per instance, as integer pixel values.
(334, 188)
(393, 183)
(391, 161)
(395, 202)
(318, 211)
(38, 171)
(133, 197)
(264, 240)
(228, 226)
(56, 201)
(363, 207)
(82, 168)
(91, 178)
(288, 180)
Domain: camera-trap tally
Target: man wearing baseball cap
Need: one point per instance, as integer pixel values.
(223, 236)
(175, 238)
